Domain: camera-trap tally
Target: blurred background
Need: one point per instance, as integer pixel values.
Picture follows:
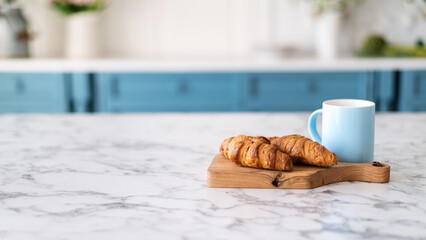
(63, 56)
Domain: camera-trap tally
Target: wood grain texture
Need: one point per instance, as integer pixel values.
(222, 173)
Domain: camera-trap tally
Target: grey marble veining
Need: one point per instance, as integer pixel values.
(144, 177)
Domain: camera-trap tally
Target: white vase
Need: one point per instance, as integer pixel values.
(83, 36)
(327, 31)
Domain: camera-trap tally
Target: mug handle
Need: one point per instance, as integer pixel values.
(312, 126)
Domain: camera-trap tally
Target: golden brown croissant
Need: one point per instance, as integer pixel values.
(255, 152)
(303, 150)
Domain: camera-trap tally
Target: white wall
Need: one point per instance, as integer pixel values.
(47, 27)
(173, 29)
(398, 20)
(217, 29)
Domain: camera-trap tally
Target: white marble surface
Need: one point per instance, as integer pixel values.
(150, 65)
(144, 177)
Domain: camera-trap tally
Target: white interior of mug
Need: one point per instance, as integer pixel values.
(349, 103)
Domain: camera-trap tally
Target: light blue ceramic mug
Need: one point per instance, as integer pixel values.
(347, 129)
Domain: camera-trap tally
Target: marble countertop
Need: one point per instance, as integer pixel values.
(149, 65)
(143, 176)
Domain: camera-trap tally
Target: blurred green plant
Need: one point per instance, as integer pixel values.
(322, 6)
(69, 7)
(404, 51)
(411, 1)
(373, 46)
(377, 46)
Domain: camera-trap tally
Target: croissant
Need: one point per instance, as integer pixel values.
(255, 152)
(303, 150)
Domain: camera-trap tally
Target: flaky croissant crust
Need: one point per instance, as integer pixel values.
(303, 150)
(255, 152)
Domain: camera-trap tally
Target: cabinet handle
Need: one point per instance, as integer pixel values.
(312, 86)
(254, 87)
(114, 87)
(417, 85)
(183, 87)
(19, 86)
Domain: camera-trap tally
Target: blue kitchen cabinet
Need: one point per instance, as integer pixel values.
(303, 91)
(140, 92)
(81, 95)
(161, 92)
(385, 91)
(33, 92)
(412, 95)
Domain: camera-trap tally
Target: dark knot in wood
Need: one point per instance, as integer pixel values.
(377, 164)
(276, 180)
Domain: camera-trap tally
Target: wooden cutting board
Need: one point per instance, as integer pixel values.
(222, 173)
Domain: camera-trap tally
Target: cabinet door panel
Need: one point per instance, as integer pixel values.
(303, 92)
(412, 95)
(36, 92)
(167, 92)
